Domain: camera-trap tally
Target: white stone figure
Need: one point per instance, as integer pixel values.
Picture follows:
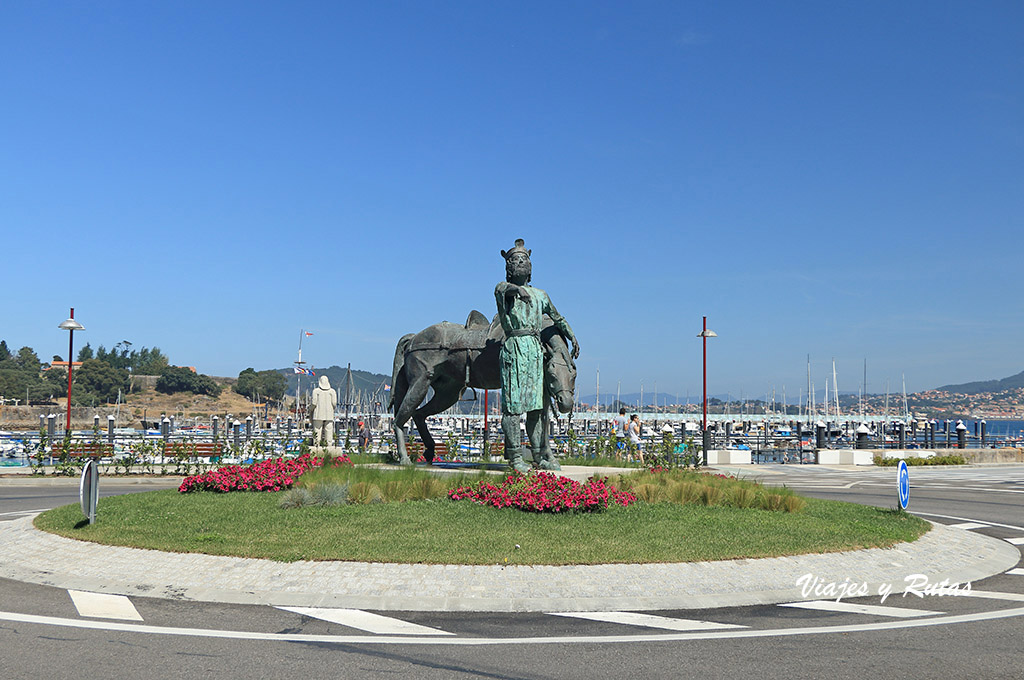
(325, 400)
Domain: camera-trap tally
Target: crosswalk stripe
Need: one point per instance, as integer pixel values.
(371, 623)
(647, 620)
(1016, 572)
(103, 606)
(968, 525)
(1016, 540)
(851, 608)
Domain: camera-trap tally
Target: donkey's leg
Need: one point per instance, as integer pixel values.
(413, 396)
(398, 394)
(545, 459)
(446, 393)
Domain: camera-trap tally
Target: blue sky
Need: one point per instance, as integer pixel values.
(838, 179)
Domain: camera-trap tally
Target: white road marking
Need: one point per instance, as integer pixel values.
(648, 620)
(371, 623)
(851, 608)
(21, 512)
(968, 525)
(990, 595)
(1016, 540)
(472, 642)
(967, 519)
(101, 605)
(1016, 572)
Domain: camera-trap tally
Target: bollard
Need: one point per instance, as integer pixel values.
(237, 427)
(983, 433)
(289, 429)
(248, 428)
(42, 422)
(170, 425)
(903, 435)
(165, 427)
(819, 435)
(96, 423)
(215, 426)
(863, 437)
(110, 428)
(706, 439)
(948, 431)
(51, 426)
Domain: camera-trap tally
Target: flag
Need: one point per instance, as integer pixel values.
(308, 334)
(387, 387)
(303, 371)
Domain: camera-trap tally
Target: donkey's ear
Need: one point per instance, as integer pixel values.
(504, 254)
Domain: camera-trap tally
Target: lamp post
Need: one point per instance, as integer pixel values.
(70, 326)
(704, 335)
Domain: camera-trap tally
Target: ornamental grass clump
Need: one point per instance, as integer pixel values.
(544, 492)
(276, 474)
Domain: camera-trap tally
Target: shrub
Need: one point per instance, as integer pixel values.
(296, 498)
(742, 497)
(650, 493)
(362, 493)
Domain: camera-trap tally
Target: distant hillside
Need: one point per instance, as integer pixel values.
(1013, 382)
(362, 381)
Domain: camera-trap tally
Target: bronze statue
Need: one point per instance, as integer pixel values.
(521, 308)
(450, 358)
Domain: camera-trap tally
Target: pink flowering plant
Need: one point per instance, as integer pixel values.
(275, 474)
(544, 492)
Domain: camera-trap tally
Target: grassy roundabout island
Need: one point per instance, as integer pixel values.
(369, 514)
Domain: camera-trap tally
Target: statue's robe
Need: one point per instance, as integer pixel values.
(522, 357)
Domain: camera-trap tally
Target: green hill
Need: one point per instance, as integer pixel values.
(1013, 382)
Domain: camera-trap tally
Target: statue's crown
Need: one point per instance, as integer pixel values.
(520, 247)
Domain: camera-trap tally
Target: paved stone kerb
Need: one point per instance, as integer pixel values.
(30, 555)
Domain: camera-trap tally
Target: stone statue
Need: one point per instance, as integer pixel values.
(325, 401)
(520, 310)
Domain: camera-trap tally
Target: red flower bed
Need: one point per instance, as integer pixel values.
(544, 492)
(268, 475)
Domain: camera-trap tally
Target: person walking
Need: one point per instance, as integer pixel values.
(620, 428)
(634, 436)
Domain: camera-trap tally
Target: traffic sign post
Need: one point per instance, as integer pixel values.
(903, 483)
(89, 490)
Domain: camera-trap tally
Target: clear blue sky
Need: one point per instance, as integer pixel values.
(839, 179)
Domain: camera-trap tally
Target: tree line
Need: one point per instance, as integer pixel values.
(104, 374)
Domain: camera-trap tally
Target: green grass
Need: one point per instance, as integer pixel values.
(445, 532)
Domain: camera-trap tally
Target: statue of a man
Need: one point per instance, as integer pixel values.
(520, 310)
(325, 400)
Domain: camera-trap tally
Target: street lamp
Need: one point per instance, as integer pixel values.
(70, 326)
(705, 334)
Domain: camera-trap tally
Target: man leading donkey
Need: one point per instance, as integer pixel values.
(520, 310)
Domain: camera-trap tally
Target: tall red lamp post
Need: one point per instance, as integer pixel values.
(706, 436)
(70, 326)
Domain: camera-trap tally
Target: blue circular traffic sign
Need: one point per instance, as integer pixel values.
(903, 480)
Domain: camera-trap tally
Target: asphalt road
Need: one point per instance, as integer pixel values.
(974, 636)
